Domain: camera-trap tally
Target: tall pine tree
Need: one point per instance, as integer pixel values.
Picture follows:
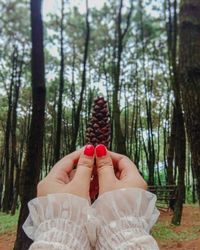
(33, 160)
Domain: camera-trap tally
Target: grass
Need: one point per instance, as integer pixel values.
(164, 232)
(8, 223)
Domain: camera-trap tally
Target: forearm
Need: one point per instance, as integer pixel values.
(127, 216)
(57, 222)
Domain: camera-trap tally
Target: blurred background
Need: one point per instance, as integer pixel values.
(143, 56)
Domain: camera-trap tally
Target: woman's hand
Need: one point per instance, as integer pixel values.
(116, 171)
(63, 179)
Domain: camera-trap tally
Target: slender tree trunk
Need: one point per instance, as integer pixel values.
(33, 160)
(194, 200)
(14, 158)
(1, 179)
(83, 82)
(166, 135)
(119, 139)
(16, 190)
(73, 91)
(170, 25)
(158, 148)
(61, 88)
(171, 151)
(180, 149)
(6, 200)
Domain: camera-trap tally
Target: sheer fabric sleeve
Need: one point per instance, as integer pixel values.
(126, 217)
(57, 222)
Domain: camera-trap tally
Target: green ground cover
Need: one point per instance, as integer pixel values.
(8, 223)
(164, 231)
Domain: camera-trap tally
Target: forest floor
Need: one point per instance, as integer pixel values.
(186, 236)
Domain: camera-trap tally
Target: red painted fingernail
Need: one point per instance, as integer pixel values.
(89, 150)
(101, 150)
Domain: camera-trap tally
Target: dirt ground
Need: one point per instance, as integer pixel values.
(191, 218)
(7, 241)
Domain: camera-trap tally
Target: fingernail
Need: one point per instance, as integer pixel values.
(101, 150)
(89, 150)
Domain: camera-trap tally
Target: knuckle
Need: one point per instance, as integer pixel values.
(104, 162)
(86, 162)
(104, 168)
(126, 158)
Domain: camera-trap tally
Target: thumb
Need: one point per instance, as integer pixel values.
(104, 167)
(84, 167)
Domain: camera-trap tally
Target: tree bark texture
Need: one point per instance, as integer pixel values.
(190, 77)
(33, 159)
(61, 88)
(6, 199)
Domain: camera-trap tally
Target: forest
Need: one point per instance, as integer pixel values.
(57, 56)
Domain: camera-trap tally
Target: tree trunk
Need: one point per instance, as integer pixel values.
(14, 166)
(61, 88)
(190, 77)
(119, 139)
(83, 82)
(6, 199)
(180, 149)
(33, 160)
(177, 146)
(171, 150)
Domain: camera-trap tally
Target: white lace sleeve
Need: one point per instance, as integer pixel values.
(126, 216)
(57, 222)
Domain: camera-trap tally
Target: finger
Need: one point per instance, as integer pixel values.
(85, 166)
(104, 165)
(124, 165)
(129, 172)
(122, 162)
(115, 157)
(67, 163)
(62, 168)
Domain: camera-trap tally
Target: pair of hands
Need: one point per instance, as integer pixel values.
(111, 171)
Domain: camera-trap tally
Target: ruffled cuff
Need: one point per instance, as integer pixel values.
(57, 221)
(126, 215)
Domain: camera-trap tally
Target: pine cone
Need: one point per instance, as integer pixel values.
(98, 131)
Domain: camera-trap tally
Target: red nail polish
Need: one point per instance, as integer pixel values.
(101, 150)
(89, 150)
